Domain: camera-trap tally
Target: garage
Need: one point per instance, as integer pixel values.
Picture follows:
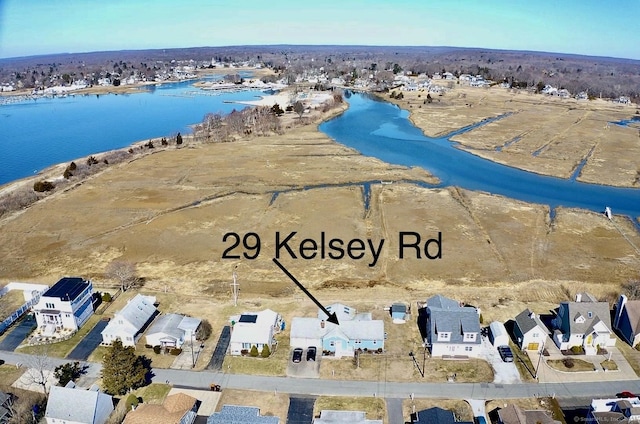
(498, 334)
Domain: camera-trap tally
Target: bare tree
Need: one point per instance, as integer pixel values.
(632, 289)
(124, 272)
(40, 368)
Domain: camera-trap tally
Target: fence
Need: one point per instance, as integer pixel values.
(18, 313)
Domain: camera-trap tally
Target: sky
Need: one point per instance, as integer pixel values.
(588, 27)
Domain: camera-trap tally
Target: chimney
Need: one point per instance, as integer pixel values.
(578, 297)
(322, 324)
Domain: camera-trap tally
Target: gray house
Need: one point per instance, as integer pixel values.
(452, 329)
(240, 415)
(529, 331)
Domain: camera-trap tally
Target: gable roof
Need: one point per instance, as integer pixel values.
(527, 321)
(254, 327)
(167, 324)
(189, 324)
(447, 316)
(441, 302)
(233, 414)
(632, 307)
(513, 414)
(134, 316)
(582, 316)
(311, 328)
(434, 415)
(67, 288)
(343, 312)
(171, 411)
(82, 409)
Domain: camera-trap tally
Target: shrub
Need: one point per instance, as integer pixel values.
(157, 349)
(130, 150)
(106, 297)
(67, 174)
(568, 362)
(91, 160)
(131, 401)
(254, 351)
(179, 139)
(244, 352)
(577, 350)
(72, 166)
(148, 346)
(175, 351)
(265, 351)
(42, 186)
(204, 330)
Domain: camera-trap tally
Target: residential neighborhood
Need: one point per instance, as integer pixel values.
(449, 330)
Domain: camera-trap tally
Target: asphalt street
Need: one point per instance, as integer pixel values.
(202, 380)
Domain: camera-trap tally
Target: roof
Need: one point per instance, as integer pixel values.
(592, 312)
(255, 327)
(311, 328)
(233, 414)
(435, 415)
(455, 320)
(67, 288)
(439, 301)
(189, 324)
(527, 321)
(343, 312)
(398, 307)
(633, 313)
(343, 417)
(513, 414)
(167, 324)
(82, 409)
(171, 411)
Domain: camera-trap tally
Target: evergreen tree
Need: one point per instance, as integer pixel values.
(67, 372)
(179, 139)
(123, 370)
(265, 351)
(254, 351)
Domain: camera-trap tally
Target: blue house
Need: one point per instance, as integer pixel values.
(66, 305)
(355, 331)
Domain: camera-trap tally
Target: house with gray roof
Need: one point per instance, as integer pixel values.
(168, 330)
(355, 331)
(625, 410)
(6, 400)
(626, 320)
(435, 415)
(452, 330)
(529, 331)
(233, 414)
(74, 405)
(128, 323)
(344, 417)
(585, 322)
(513, 414)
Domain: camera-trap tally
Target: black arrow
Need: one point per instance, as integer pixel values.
(331, 317)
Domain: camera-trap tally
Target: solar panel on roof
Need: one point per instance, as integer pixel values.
(248, 318)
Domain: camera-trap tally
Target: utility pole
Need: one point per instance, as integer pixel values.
(235, 287)
(193, 359)
(540, 353)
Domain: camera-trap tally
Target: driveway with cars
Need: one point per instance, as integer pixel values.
(503, 372)
(306, 368)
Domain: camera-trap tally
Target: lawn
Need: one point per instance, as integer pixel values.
(276, 364)
(153, 393)
(270, 403)
(375, 408)
(10, 302)
(62, 349)
(631, 355)
(9, 374)
(578, 365)
(608, 365)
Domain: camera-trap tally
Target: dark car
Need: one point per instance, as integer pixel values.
(479, 420)
(297, 355)
(625, 394)
(311, 353)
(505, 353)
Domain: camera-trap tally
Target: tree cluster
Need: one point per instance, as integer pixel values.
(257, 121)
(123, 370)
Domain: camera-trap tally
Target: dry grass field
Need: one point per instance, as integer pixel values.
(543, 134)
(270, 403)
(374, 408)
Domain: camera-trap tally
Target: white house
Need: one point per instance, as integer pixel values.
(254, 329)
(624, 410)
(172, 330)
(529, 331)
(73, 405)
(452, 329)
(130, 320)
(67, 304)
(585, 322)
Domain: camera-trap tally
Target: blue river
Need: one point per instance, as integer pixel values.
(36, 134)
(380, 129)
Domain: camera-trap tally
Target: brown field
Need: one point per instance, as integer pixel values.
(543, 134)
(10, 302)
(374, 408)
(270, 403)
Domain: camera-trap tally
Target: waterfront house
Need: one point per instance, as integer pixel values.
(172, 330)
(585, 322)
(128, 323)
(74, 405)
(452, 330)
(66, 305)
(254, 329)
(626, 319)
(529, 331)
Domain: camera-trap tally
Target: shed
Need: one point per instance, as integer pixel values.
(498, 334)
(398, 312)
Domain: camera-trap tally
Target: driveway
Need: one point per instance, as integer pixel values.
(304, 368)
(19, 332)
(504, 372)
(89, 343)
(300, 410)
(221, 349)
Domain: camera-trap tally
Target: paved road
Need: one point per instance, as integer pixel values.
(88, 344)
(317, 387)
(18, 333)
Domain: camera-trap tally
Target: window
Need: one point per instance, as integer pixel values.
(49, 305)
(444, 336)
(246, 345)
(358, 341)
(468, 348)
(375, 342)
(535, 335)
(590, 314)
(332, 344)
(469, 337)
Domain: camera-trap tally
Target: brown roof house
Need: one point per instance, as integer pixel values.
(176, 409)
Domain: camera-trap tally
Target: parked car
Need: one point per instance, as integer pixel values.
(479, 420)
(297, 355)
(311, 353)
(625, 394)
(505, 353)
